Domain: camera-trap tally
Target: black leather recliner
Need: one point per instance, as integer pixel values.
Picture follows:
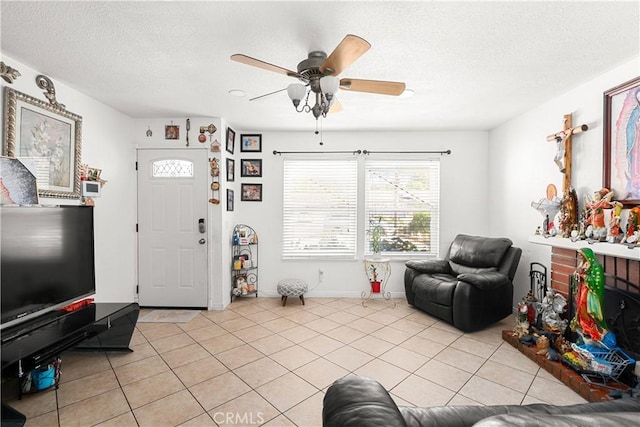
(363, 402)
(471, 287)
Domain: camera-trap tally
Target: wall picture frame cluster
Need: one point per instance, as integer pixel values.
(251, 192)
(231, 140)
(251, 168)
(251, 143)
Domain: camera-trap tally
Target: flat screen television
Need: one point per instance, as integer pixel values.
(46, 259)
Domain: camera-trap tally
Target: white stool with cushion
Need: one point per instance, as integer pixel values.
(292, 288)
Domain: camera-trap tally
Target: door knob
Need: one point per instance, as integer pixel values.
(202, 241)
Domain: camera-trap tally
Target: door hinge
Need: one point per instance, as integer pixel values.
(137, 289)
(136, 165)
(136, 227)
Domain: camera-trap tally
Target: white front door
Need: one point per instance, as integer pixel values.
(172, 227)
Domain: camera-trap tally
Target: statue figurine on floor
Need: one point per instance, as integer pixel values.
(551, 307)
(589, 319)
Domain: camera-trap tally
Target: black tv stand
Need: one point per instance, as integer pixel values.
(96, 327)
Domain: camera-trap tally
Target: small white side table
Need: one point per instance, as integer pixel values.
(380, 270)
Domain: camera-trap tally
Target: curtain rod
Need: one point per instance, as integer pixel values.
(406, 152)
(316, 152)
(275, 152)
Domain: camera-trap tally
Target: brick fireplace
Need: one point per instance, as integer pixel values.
(617, 260)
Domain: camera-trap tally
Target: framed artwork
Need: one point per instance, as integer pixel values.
(622, 141)
(231, 164)
(251, 193)
(51, 136)
(251, 143)
(251, 167)
(231, 140)
(171, 132)
(229, 200)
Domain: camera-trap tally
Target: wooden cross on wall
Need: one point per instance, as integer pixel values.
(563, 153)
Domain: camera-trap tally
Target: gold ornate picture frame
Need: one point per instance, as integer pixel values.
(48, 134)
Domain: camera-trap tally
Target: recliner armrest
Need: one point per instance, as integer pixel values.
(430, 266)
(359, 401)
(488, 280)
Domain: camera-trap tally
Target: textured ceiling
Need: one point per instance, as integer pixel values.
(472, 65)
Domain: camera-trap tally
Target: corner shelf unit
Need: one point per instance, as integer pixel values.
(244, 262)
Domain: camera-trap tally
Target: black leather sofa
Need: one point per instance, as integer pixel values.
(363, 402)
(471, 287)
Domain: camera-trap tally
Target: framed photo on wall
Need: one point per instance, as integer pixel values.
(231, 165)
(231, 140)
(251, 167)
(171, 132)
(622, 141)
(251, 143)
(51, 136)
(251, 193)
(230, 200)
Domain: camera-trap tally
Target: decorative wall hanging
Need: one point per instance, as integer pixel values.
(215, 184)
(251, 143)
(251, 193)
(171, 131)
(231, 140)
(7, 73)
(49, 134)
(45, 83)
(215, 146)
(188, 127)
(622, 141)
(202, 137)
(231, 164)
(251, 167)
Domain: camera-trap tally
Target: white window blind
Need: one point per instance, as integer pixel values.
(320, 208)
(403, 197)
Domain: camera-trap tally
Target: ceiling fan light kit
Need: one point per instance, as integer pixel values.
(318, 74)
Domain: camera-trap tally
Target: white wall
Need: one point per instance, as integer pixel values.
(521, 163)
(488, 184)
(464, 183)
(106, 145)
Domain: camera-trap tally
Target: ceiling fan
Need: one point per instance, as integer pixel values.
(318, 75)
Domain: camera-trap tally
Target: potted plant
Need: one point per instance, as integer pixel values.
(375, 283)
(376, 230)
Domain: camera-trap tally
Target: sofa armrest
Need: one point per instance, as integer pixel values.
(430, 266)
(359, 401)
(485, 281)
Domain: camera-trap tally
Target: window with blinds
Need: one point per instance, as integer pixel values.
(319, 208)
(403, 198)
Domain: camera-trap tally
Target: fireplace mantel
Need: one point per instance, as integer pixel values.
(602, 248)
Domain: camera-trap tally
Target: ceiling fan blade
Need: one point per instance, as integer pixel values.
(350, 48)
(372, 86)
(336, 106)
(267, 94)
(244, 59)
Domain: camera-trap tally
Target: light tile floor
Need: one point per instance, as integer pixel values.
(258, 363)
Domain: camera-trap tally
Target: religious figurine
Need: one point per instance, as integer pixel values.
(551, 308)
(614, 232)
(595, 214)
(633, 222)
(589, 319)
(568, 212)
